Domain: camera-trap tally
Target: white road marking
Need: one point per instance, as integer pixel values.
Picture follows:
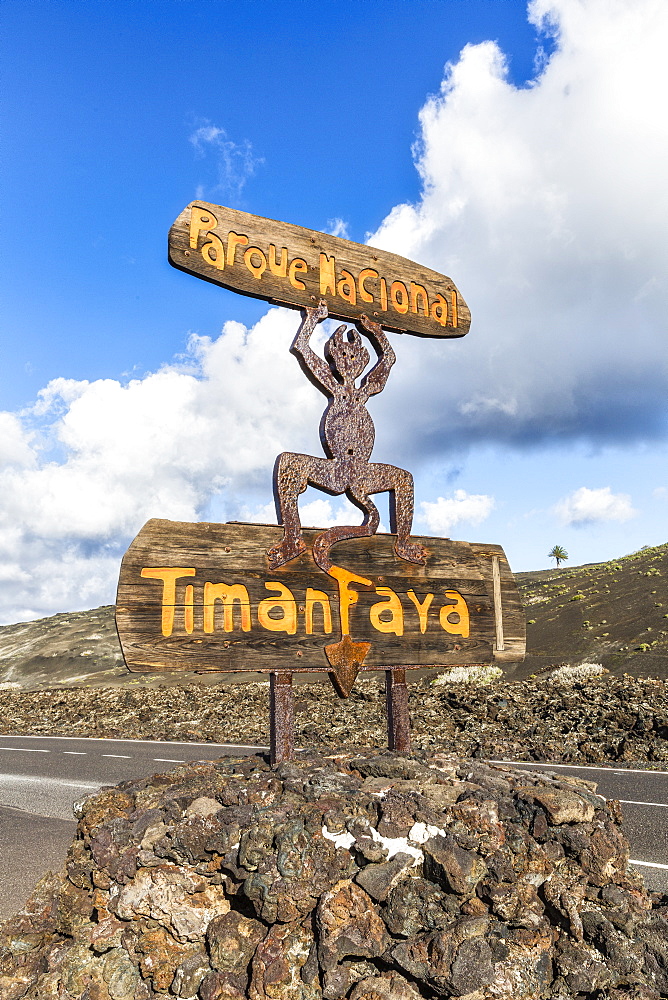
(125, 756)
(648, 864)
(632, 802)
(579, 767)
(25, 749)
(178, 743)
(29, 779)
(168, 760)
(48, 797)
(76, 753)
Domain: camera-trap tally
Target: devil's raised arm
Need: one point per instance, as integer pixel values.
(378, 376)
(317, 370)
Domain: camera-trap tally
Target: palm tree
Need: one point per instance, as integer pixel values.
(559, 553)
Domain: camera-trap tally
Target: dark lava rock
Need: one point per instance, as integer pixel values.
(383, 877)
(596, 720)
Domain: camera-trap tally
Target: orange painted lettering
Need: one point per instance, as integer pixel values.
(285, 603)
(216, 247)
(383, 294)
(201, 221)
(297, 265)
(422, 607)
(228, 595)
(439, 310)
(392, 606)
(346, 287)
(327, 274)
(234, 240)
(419, 295)
(314, 597)
(399, 297)
(458, 610)
(280, 270)
(368, 272)
(347, 597)
(169, 575)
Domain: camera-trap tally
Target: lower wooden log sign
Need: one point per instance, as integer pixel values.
(204, 597)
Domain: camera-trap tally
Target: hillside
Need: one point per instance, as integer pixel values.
(615, 613)
(75, 649)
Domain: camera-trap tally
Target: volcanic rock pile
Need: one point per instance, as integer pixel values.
(378, 877)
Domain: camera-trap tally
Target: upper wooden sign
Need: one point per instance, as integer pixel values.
(204, 597)
(297, 267)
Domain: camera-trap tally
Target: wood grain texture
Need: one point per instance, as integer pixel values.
(292, 266)
(514, 618)
(236, 554)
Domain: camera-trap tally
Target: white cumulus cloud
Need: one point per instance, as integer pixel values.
(547, 205)
(15, 442)
(338, 227)
(586, 506)
(90, 462)
(441, 516)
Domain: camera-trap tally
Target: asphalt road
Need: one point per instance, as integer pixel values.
(644, 798)
(41, 777)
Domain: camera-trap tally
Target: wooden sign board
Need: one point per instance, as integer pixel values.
(202, 597)
(297, 267)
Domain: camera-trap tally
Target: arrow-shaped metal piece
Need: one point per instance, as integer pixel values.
(346, 658)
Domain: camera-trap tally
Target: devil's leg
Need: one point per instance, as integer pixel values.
(290, 480)
(400, 485)
(292, 474)
(360, 497)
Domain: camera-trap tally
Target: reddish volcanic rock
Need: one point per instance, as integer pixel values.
(368, 877)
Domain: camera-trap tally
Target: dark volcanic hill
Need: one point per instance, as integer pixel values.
(74, 649)
(614, 613)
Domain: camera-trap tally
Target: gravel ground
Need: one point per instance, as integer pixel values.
(609, 719)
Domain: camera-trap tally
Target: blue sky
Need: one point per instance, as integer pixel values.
(519, 150)
(103, 101)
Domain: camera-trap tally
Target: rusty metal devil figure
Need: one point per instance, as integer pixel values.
(347, 434)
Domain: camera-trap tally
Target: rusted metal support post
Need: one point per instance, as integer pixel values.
(281, 716)
(396, 701)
